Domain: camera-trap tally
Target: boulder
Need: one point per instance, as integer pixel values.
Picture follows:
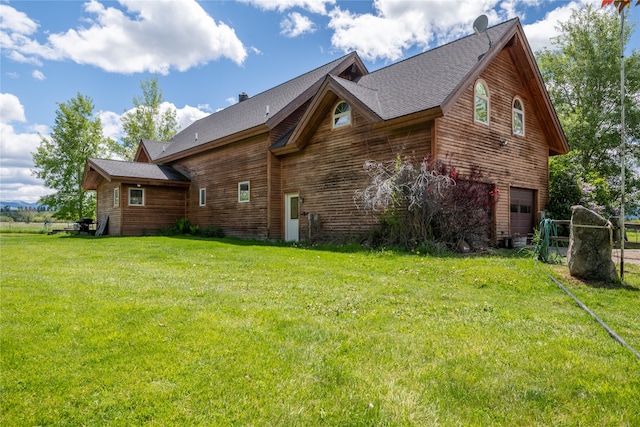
(590, 246)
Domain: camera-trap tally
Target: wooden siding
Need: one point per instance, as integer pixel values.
(522, 163)
(288, 123)
(328, 170)
(275, 215)
(219, 170)
(163, 206)
(104, 195)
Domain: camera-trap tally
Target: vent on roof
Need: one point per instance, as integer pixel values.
(243, 97)
(195, 138)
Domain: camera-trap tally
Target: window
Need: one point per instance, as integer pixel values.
(518, 117)
(481, 111)
(293, 210)
(203, 196)
(136, 197)
(341, 115)
(116, 197)
(243, 192)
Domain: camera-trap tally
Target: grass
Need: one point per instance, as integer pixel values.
(32, 227)
(176, 331)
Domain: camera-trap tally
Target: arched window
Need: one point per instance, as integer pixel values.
(518, 117)
(481, 109)
(341, 115)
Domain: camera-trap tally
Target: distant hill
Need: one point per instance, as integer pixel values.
(15, 204)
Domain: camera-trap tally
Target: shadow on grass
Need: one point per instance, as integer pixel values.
(351, 247)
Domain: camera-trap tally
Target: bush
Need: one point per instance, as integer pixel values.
(430, 202)
(212, 231)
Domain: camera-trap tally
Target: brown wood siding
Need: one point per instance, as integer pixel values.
(163, 206)
(104, 194)
(329, 169)
(288, 123)
(522, 163)
(276, 201)
(219, 171)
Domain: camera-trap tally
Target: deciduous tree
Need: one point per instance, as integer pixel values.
(582, 72)
(147, 120)
(60, 158)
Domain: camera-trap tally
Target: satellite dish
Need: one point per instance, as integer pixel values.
(480, 24)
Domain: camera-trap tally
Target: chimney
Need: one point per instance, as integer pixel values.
(243, 97)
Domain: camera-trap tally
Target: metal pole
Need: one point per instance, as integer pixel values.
(622, 145)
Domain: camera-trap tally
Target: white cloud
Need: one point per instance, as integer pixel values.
(11, 109)
(540, 33)
(16, 163)
(313, 6)
(15, 21)
(111, 124)
(143, 36)
(296, 24)
(189, 114)
(396, 26)
(38, 75)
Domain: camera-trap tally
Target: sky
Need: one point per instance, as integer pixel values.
(205, 53)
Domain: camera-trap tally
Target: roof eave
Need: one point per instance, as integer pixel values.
(226, 140)
(92, 175)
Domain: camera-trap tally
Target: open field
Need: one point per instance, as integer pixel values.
(33, 227)
(165, 331)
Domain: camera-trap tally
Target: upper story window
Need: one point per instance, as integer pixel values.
(481, 103)
(518, 117)
(136, 196)
(341, 115)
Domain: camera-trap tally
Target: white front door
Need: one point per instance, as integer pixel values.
(291, 217)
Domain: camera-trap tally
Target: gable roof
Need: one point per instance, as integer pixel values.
(431, 82)
(133, 172)
(252, 113)
(150, 150)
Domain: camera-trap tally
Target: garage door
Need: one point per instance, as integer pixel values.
(522, 211)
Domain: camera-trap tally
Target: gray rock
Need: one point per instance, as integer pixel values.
(590, 247)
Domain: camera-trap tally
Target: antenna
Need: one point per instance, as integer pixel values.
(480, 26)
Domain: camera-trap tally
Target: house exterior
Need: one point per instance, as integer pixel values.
(284, 164)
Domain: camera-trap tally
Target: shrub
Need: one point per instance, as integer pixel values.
(212, 231)
(430, 202)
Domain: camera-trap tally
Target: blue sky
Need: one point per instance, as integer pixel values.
(207, 52)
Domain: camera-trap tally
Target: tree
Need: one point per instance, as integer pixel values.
(146, 120)
(60, 159)
(582, 74)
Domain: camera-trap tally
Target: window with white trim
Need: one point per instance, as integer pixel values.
(481, 103)
(116, 197)
(518, 117)
(341, 115)
(136, 196)
(203, 196)
(244, 194)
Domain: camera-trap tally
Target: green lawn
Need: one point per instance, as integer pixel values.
(174, 331)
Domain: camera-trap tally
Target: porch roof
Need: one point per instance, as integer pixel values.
(130, 172)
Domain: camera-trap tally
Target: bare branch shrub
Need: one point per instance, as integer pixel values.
(426, 203)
